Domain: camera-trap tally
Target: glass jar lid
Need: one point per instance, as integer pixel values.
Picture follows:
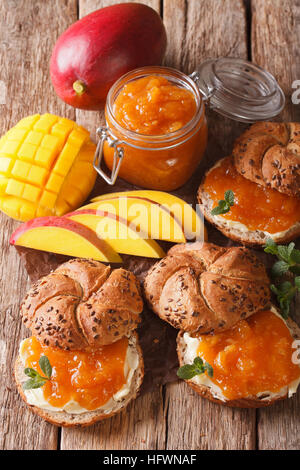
(239, 89)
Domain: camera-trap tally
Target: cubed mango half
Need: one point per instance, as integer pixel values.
(46, 167)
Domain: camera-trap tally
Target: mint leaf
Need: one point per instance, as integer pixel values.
(271, 247)
(229, 197)
(45, 366)
(209, 369)
(34, 383)
(290, 249)
(289, 261)
(198, 362)
(280, 268)
(222, 208)
(284, 253)
(225, 204)
(295, 256)
(285, 293)
(188, 371)
(287, 253)
(31, 372)
(37, 380)
(285, 288)
(297, 282)
(284, 308)
(274, 289)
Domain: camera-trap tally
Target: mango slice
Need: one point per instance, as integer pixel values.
(64, 236)
(191, 222)
(45, 167)
(118, 234)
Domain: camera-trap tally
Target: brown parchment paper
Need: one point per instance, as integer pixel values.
(158, 339)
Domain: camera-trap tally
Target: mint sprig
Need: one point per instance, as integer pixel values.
(288, 256)
(225, 204)
(285, 293)
(188, 371)
(36, 379)
(288, 261)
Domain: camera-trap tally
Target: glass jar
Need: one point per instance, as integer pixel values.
(162, 162)
(233, 87)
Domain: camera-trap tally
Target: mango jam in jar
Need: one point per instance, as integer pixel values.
(157, 115)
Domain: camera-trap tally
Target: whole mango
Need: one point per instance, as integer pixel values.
(97, 50)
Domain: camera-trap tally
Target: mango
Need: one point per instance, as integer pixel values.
(46, 167)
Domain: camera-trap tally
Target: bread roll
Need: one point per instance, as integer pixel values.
(83, 303)
(268, 153)
(201, 287)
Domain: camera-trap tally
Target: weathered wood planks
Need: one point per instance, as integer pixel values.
(200, 34)
(275, 46)
(28, 31)
(142, 425)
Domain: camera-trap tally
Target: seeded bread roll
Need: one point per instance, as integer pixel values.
(200, 287)
(205, 391)
(83, 303)
(268, 153)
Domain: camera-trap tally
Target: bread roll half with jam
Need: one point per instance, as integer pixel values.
(264, 175)
(258, 212)
(83, 318)
(252, 362)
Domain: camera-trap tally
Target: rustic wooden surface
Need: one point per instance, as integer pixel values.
(172, 416)
(275, 46)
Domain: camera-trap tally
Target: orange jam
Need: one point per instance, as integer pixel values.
(154, 106)
(90, 378)
(257, 207)
(252, 357)
(163, 129)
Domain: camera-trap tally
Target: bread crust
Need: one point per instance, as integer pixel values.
(200, 287)
(249, 402)
(89, 418)
(268, 153)
(83, 303)
(248, 237)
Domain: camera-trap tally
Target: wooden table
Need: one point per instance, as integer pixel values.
(172, 416)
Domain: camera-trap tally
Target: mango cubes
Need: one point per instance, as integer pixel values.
(46, 167)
